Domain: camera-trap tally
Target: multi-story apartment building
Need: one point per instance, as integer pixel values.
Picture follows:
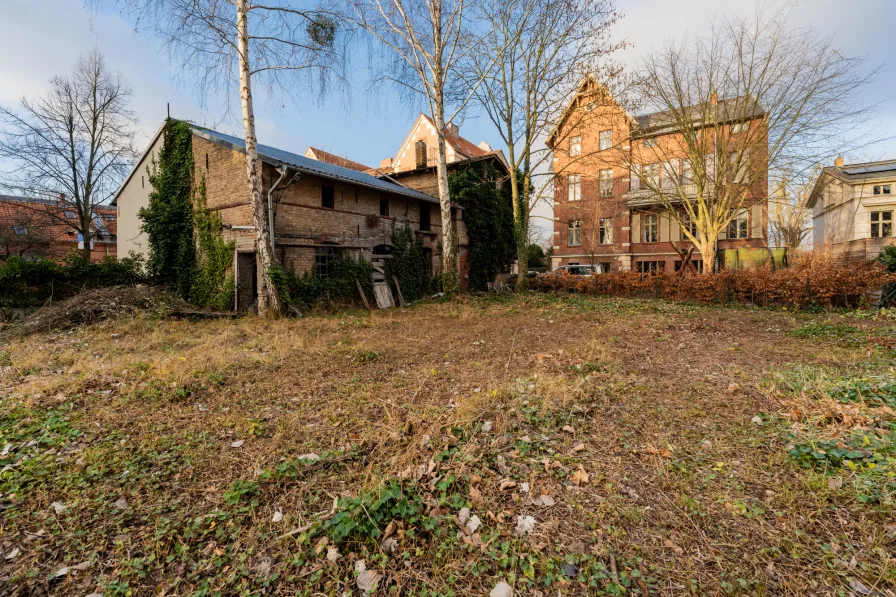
(604, 213)
(853, 206)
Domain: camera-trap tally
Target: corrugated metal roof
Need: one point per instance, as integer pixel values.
(275, 156)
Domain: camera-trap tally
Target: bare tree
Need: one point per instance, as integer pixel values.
(281, 41)
(755, 95)
(789, 215)
(425, 44)
(75, 144)
(533, 62)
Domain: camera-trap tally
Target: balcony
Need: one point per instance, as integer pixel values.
(647, 197)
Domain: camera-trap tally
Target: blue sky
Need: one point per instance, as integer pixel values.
(44, 37)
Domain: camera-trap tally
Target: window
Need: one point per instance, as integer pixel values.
(881, 224)
(575, 146)
(688, 224)
(384, 206)
(651, 142)
(738, 127)
(574, 233)
(881, 189)
(327, 196)
(324, 260)
(426, 262)
(70, 214)
(651, 173)
(606, 182)
(697, 263)
(424, 216)
(605, 232)
(737, 165)
(605, 266)
(574, 192)
(651, 267)
(650, 228)
(737, 227)
(20, 230)
(109, 217)
(606, 140)
(687, 172)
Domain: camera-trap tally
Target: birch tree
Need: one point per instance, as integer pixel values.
(424, 44)
(754, 95)
(790, 220)
(533, 61)
(280, 42)
(72, 145)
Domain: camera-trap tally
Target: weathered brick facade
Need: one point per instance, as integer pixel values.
(579, 237)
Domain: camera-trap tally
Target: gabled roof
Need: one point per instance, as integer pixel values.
(463, 147)
(853, 174)
(331, 158)
(497, 155)
(274, 156)
(580, 89)
(735, 109)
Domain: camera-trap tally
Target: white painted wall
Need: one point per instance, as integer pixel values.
(132, 196)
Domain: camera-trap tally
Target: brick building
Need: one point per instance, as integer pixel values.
(34, 228)
(601, 213)
(322, 211)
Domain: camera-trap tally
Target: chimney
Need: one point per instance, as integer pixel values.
(839, 161)
(420, 153)
(485, 146)
(386, 163)
(451, 129)
(62, 200)
(714, 98)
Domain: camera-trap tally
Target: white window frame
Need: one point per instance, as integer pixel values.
(738, 127)
(605, 231)
(688, 224)
(650, 228)
(740, 226)
(650, 142)
(605, 182)
(882, 189)
(605, 139)
(651, 171)
(575, 145)
(687, 172)
(574, 233)
(880, 219)
(574, 187)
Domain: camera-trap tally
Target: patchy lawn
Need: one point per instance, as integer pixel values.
(571, 446)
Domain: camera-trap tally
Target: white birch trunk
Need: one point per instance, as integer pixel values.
(268, 298)
(449, 245)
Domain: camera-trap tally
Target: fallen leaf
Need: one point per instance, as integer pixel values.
(856, 585)
(757, 420)
(60, 573)
(579, 447)
(308, 458)
(14, 553)
(579, 477)
(277, 517)
(367, 579)
(333, 554)
(524, 487)
(321, 544)
(835, 483)
(524, 525)
(502, 589)
(238, 443)
(82, 566)
(58, 507)
(463, 515)
(473, 524)
(389, 545)
(506, 484)
(487, 426)
(568, 429)
(547, 500)
(121, 503)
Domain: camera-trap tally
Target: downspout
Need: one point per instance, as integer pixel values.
(283, 170)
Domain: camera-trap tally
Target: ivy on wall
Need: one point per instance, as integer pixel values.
(407, 263)
(186, 251)
(488, 215)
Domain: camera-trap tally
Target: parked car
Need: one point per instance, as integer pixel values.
(580, 270)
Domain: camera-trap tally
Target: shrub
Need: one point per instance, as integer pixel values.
(32, 283)
(302, 292)
(810, 283)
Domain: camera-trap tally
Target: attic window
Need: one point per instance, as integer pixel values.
(20, 230)
(70, 214)
(327, 196)
(384, 206)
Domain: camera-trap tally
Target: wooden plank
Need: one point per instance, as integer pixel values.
(383, 295)
(363, 296)
(398, 288)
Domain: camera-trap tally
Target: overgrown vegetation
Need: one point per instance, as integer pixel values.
(211, 283)
(408, 264)
(25, 283)
(488, 217)
(300, 292)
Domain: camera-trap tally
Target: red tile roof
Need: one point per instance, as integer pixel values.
(331, 158)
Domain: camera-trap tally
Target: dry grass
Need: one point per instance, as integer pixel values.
(651, 401)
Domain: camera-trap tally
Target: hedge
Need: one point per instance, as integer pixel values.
(810, 283)
(26, 283)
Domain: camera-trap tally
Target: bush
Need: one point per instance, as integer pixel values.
(302, 292)
(32, 283)
(811, 282)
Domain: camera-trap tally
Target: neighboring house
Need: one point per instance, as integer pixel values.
(321, 211)
(853, 206)
(331, 158)
(601, 215)
(34, 228)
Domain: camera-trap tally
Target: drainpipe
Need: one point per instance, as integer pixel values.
(283, 170)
